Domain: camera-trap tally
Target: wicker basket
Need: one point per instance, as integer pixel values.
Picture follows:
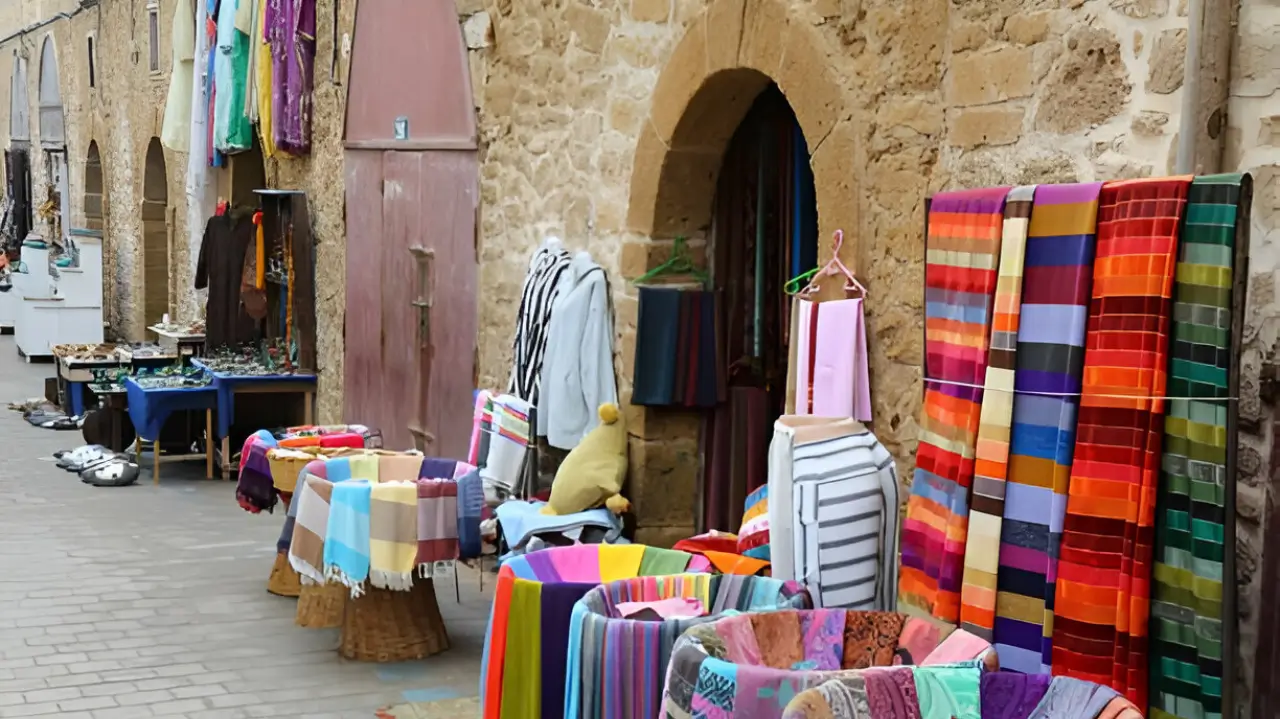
(389, 626)
(320, 606)
(284, 581)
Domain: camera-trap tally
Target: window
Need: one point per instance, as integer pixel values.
(93, 62)
(153, 36)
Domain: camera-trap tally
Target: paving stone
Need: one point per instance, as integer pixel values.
(151, 601)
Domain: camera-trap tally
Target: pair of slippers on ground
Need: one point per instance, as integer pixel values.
(53, 419)
(98, 466)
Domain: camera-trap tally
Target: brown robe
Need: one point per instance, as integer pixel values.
(226, 239)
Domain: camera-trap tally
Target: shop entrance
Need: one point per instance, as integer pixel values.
(763, 233)
(155, 236)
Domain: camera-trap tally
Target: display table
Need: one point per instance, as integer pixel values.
(74, 374)
(184, 344)
(227, 386)
(149, 408)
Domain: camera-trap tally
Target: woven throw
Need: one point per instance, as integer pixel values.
(1102, 598)
(393, 534)
(437, 520)
(1186, 602)
(306, 550)
(346, 543)
(962, 252)
(1058, 275)
(982, 550)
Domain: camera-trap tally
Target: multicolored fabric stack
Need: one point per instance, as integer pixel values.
(1186, 602)
(1102, 599)
(962, 252)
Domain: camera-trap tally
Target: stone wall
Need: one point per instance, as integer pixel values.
(603, 122)
(126, 110)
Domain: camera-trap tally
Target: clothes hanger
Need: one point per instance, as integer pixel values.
(679, 263)
(834, 265)
(797, 283)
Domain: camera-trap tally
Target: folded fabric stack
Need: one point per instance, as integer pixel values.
(508, 443)
(523, 669)
(677, 354)
(616, 666)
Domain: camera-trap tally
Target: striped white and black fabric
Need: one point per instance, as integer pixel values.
(541, 287)
(845, 531)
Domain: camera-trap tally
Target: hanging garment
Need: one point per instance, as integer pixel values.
(1058, 273)
(542, 286)
(226, 239)
(962, 252)
(793, 354)
(224, 76)
(982, 550)
(736, 456)
(1186, 592)
(678, 360)
(833, 379)
(481, 428)
(201, 191)
(657, 332)
(577, 369)
(1102, 598)
(292, 26)
(508, 445)
(175, 133)
(215, 158)
(264, 81)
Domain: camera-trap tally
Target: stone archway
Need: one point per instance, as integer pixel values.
(155, 235)
(94, 212)
(729, 54)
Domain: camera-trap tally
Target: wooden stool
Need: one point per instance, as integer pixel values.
(389, 626)
(320, 606)
(284, 581)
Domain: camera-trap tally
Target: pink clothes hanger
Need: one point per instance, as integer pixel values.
(830, 269)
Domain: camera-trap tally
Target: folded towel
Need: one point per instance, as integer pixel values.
(437, 521)
(393, 534)
(306, 550)
(346, 543)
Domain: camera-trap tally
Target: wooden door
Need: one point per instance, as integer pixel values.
(396, 202)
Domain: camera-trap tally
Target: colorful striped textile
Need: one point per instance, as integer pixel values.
(1102, 598)
(1055, 307)
(982, 551)
(1186, 602)
(961, 254)
(557, 578)
(617, 667)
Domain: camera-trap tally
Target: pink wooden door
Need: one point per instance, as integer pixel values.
(411, 181)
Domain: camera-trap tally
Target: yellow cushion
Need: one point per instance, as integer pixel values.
(595, 470)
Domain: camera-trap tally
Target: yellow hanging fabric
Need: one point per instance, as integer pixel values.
(264, 83)
(260, 279)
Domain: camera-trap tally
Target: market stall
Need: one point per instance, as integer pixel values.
(153, 399)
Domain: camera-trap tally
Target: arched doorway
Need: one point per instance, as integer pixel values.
(94, 212)
(155, 235)
(728, 57)
(53, 141)
(17, 164)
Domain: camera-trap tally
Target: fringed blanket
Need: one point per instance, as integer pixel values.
(306, 550)
(393, 534)
(346, 543)
(437, 535)
(255, 490)
(560, 577)
(616, 666)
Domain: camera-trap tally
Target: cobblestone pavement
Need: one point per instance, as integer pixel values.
(151, 601)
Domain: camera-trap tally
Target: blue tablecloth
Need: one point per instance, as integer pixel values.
(224, 385)
(149, 408)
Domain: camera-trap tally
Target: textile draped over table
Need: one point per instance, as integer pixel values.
(1186, 604)
(962, 251)
(1058, 274)
(982, 550)
(1102, 598)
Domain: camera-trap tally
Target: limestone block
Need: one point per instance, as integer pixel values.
(1149, 123)
(1166, 62)
(659, 423)
(1138, 40)
(923, 116)
(663, 480)
(724, 21)
(635, 49)
(1141, 9)
(1088, 84)
(591, 26)
(969, 35)
(836, 184)
(477, 30)
(626, 115)
(762, 36)
(638, 257)
(807, 79)
(1028, 28)
(681, 78)
(650, 10)
(974, 127)
(981, 78)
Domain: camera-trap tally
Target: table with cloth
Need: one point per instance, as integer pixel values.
(382, 525)
(524, 650)
(149, 408)
(227, 386)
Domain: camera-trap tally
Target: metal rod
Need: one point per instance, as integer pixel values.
(757, 335)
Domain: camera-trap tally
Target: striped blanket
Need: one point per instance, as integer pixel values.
(346, 539)
(306, 549)
(962, 252)
(393, 534)
(1102, 598)
(437, 520)
(1186, 602)
(1055, 306)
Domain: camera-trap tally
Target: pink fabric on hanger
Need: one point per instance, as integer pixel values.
(833, 379)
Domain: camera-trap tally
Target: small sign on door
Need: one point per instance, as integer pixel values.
(402, 128)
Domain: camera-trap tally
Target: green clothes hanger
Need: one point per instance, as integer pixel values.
(799, 282)
(679, 263)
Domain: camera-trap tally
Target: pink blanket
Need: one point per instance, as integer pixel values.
(833, 379)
